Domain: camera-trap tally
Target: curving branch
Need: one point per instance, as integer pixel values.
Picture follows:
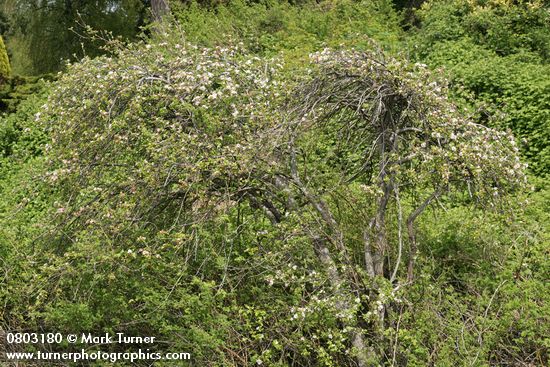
(412, 234)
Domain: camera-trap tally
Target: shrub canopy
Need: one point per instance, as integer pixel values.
(220, 162)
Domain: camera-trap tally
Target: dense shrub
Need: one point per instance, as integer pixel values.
(514, 86)
(497, 52)
(257, 211)
(505, 27)
(269, 27)
(18, 135)
(481, 297)
(147, 276)
(17, 88)
(190, 193)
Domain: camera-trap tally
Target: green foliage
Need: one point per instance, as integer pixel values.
(513, 85)
(269, 27)
(43, 35)
(5, 68)
(224, 197)
(497, 52)
(152, 274)
(481, 298)
(20, 139)
(17, 89)
(505, 27)
(169, 180)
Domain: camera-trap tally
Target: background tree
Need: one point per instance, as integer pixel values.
(5, 69)
(159, 8)
(40, 30)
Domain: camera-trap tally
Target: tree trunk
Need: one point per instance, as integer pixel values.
(362, 353)
(342, 285)
(159, 8)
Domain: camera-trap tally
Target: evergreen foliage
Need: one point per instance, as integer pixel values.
(5, 68)
(18, 88)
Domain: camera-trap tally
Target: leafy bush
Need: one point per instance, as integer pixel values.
(151, 279)
(481, 294)
(17, 88)
(197, 191)
(18, 135)
(268, 27)
(497, 52)
(254, 211)
(505, 27)
(513, 86)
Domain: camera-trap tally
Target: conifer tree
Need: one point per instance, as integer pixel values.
(5, 69)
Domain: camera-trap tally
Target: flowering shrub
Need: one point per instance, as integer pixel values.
(259, 216)
(422, 136)
(163, 121)
(392, 144)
